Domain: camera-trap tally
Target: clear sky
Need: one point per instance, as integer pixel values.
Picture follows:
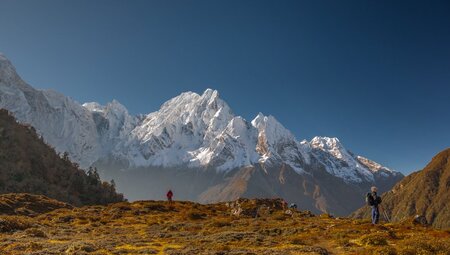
(375, 74)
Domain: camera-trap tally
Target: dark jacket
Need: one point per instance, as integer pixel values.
(373, 199)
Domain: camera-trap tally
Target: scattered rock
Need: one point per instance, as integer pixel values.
(420, 220)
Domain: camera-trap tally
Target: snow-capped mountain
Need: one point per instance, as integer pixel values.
(201, 130)
(190, 131)
(86, 133)
(64, 123)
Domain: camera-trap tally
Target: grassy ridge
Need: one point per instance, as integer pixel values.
(154, 227)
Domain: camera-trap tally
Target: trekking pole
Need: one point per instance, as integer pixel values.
(382, 213)
(386, 217)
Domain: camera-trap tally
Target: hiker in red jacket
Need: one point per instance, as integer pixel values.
(169, 196)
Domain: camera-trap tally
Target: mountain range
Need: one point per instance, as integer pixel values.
(195, 145)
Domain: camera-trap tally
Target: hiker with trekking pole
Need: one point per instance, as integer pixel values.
(373, 200)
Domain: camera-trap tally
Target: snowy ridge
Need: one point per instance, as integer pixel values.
(339, 161)
(189, 130)
(374, 167)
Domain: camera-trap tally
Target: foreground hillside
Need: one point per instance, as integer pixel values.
(27, 164)
(149, 227)
(425, 193)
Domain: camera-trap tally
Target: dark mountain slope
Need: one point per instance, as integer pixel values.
(29, 165)
(426, 192)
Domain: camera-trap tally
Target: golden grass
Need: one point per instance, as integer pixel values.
(152, 227)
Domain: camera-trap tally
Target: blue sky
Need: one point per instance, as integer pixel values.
(376, 74)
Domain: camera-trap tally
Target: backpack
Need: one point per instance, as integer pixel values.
(369, 199)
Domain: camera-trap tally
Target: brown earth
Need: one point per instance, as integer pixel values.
(154, 227)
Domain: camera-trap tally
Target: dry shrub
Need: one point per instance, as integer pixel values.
(35, 246)
(223, 249)
(80, 248)
(221, 223)
(312, 250)
(195, 215)
(298, 241)
(35, 232)
(13, 223)
(343, 242)
(326, 216)
(122, 206)
(424, 246)
(65, 219)
(374, 239)
(386, 250)
(280, 217)
(156, 207)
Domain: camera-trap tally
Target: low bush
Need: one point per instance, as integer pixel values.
(35, 232)
(12, 224)
(196, 215)
(298, 241)
(424, 246)
(374, 239)
(221, 223)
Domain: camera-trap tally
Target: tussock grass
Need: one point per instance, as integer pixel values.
(155, 227)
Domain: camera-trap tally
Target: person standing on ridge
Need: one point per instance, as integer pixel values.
(169, 196)
(374, 201)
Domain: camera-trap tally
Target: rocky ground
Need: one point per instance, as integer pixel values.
(153, 227)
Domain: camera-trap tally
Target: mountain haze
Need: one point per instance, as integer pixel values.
(197, 146)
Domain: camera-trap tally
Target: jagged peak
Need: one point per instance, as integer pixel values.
(5, 64)
(238, 125)
(326, 143)
(270, 125)
(7, 69)
(9, 75)
(211, 99)
(330, 145)
(259, 117)
(117, 106)
(183, 98)
(210, 94)
(94, 107)
(114, 107)
(190, 104)
(3, 57)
